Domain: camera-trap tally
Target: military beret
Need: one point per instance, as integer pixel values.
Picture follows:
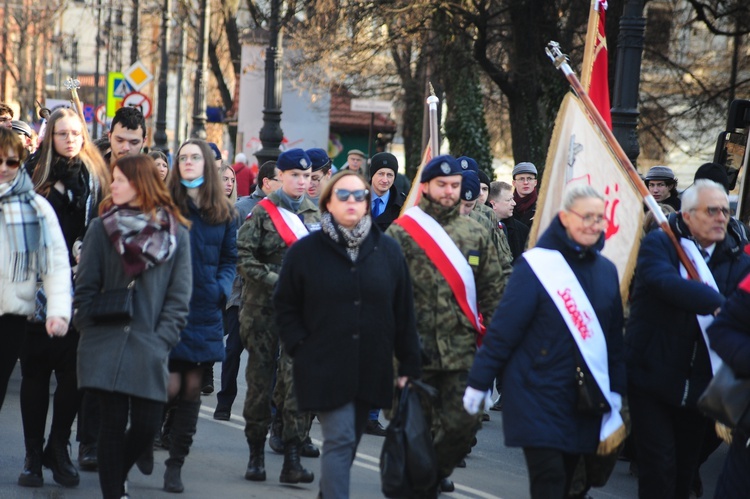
(319, 158)
(215, 149)
(21, 127)
(469, 185)
(441, 166)
(524, 167)
(715, 172)
(468, 163)
(660, 173)
(356, 152)
(293, 159)
(484, 178)
(383, 160)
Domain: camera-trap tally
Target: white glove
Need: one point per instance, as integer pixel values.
(474, 400)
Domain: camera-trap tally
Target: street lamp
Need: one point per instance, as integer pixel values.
(160, 134)
(199, 93)
(271, 134)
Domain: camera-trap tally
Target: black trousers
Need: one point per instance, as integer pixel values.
(119, 448)
(230, 368)
(550, 472)
(13, 328)
(88, 419)
(40, 357)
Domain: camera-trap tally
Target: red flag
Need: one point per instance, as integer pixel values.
(599, 84)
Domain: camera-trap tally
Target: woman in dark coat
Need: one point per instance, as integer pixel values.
(343, 356)
(531, 348)
(196, 188)
(139, 238)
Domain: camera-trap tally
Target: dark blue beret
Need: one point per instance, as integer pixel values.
(468, 163)
(293, 159)
(441, 166)
(319, 158)
(469, 185)
(215, 149)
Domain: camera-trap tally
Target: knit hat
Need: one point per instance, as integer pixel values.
(383, 160)
(469, 185)
(484, 178)
(468, 163)
(319, 158)
(715, 172)
(660, 173)
(293, 159)
(441, 166)
(215, 149)
(524, 167)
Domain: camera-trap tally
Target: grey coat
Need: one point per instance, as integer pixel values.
(130, 358)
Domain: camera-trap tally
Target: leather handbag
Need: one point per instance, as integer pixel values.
(590, 399)
(727, 400)
(114, 305)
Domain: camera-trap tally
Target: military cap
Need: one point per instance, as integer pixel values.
(469, 185)
(293, 159)
(468, 163)
(524, 167)
(441, 166)
(383, 160)
(319, 158)
(21, 127)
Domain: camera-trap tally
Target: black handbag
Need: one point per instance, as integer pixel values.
(727, 400)
(114, 305)
(590, 399)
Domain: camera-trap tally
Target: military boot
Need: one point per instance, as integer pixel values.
(277, 426)
(32, 466)
(256, 467)
(57, 458)
(185, 420)
(292, 471)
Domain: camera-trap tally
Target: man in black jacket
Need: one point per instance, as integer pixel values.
(502, 202)
(386, 200)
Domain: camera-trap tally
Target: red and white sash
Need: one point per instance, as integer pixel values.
(445, 255)
(708, 278)
(288, 225)
(579, 315)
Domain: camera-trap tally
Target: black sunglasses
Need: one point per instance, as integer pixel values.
(343, 194)
(11, 162)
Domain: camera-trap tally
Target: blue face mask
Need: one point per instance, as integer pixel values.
(192, 184)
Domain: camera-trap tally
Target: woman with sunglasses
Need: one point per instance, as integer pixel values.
(343, 361)
(31, 244)
(70, 173)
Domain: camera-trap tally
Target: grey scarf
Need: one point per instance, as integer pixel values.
(351, 239)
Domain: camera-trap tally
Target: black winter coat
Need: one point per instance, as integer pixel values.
(342, 321)
(392, 209)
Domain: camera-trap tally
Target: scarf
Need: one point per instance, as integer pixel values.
(294, 204)
(29, 236)
(141, 240)
(351, 239)
(524, 204)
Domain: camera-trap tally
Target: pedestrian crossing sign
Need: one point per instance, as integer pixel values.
(117, 89)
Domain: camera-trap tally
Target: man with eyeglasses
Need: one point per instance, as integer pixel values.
(276, 223)
(6, 115)
(667, 352)
(439, 245)
(525, 194)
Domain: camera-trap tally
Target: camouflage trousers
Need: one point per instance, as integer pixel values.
(261, 340)
(453, 428)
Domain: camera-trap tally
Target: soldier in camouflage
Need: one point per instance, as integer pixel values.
(448, 337)
(261, 249)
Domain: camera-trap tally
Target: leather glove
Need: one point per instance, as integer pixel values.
(476, 400)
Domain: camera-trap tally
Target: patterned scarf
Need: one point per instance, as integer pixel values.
(29, 237)
(349, 238)
(142, 240)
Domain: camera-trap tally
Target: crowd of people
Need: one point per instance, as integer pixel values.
(129, 279)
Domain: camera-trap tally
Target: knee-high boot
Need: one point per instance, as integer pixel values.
(184, 423)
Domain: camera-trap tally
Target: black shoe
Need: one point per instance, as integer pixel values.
(173, 480)
(461, 464)
(32, 465)
(222, 415)
(373, 427)
(446, 485)
(292, 471)
(256, 466)
(57, 458)
(485, 417)
(309, 449)
(145, 462)
(87, 460)
(208, 380)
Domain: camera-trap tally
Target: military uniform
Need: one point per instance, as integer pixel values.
(260, 253)
(499, 241)
(448, 338)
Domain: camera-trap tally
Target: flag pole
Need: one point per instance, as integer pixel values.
(415, 194)
(561, 62)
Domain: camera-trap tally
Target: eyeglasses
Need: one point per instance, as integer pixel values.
(193, 157)
(64, 135)
(713, 211)
(590, 219)
(11, 162)
(525, 180)
(343, 194)
(275, 179)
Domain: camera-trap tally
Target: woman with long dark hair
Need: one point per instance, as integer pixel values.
(197, 191)
(139, 240)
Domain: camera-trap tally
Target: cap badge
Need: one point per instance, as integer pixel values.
(464, 164)
(445, 168)
(468, 195)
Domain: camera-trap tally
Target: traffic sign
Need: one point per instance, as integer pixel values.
(101, 114)
(138, 75)
(117, 89)
(137, 99)
(88, 113)
(372, 106)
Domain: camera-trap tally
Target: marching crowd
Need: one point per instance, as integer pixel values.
(128, 280)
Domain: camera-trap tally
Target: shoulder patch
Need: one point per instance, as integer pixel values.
(474, 258)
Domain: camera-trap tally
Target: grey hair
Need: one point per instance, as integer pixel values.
(578, 191)
(690, 196)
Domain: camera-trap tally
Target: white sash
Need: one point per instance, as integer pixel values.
(579, 315)
(708, 278)
(294, 223)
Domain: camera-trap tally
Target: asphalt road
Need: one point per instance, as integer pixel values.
(216, 465)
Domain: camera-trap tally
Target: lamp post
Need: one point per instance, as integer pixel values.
(199, 93)
(627, 78)
(271, 134)
(160, 134)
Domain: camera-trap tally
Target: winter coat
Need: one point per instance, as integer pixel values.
(392, 209)
(518, 236)
(213, 250)
(664, 348)
(244, 179)
(130, 358)
(530, 347)
(342, 321)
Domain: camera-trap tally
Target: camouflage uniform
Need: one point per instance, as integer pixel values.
(448, 338)
(499, 241)
(260, 253)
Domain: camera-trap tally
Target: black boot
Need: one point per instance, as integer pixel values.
(292, 471)
(166, 428)
(207, 386)
(184, 422)
(277, 426)
(309, 449)
(256, 467)
(87, 460)
(32, 465)
(57, 458)
(145, 462)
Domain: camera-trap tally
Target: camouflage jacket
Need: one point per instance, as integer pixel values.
(448, 338)
(260, 249)
(499, 241)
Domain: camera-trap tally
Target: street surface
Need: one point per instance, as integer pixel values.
(216, 465)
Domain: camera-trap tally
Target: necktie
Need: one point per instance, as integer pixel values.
(376, 207)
